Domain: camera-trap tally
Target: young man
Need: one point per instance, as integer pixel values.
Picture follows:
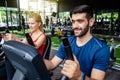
(91, 55)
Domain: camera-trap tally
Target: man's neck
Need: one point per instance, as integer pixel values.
(83, 40)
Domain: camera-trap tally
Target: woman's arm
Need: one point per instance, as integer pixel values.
(40, 41)
(9, 36)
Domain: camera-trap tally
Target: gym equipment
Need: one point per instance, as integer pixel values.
(26, 60)
(68, 52)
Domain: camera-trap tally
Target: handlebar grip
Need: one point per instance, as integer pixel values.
(29, 39)
(68, 49)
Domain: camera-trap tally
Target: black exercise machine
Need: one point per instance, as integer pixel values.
(26, 60)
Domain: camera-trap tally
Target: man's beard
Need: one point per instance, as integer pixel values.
(83, 31)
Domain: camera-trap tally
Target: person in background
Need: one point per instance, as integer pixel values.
(47, 21)
(91, 55)
(53, 31)
(59, 33)
(36, 32)
(23, 23)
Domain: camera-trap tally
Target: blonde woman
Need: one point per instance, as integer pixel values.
(36, 32)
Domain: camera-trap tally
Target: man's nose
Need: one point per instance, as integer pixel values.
(75, 24)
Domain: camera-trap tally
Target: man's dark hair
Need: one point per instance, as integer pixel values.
(83, 9)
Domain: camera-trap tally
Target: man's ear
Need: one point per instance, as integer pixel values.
(91, 22)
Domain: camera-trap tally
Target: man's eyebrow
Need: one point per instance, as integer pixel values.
(77, 20)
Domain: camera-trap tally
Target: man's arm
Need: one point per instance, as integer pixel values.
(72, 70)
(96, 75)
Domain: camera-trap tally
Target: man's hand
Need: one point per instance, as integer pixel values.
(71, 69)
